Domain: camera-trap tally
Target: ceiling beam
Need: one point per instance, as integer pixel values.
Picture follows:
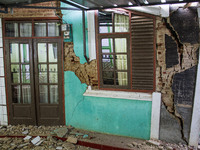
(142, 4)
(45, 7)
(28, 3)
(72, 4)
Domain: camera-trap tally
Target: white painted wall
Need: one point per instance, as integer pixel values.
(3, 108)
(91, 34)
(195, 124)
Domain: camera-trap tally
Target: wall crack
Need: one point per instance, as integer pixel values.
(187, 58)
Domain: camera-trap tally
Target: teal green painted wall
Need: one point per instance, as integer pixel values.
(108, 115)
(74, 17)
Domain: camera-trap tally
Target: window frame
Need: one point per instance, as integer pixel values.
(129, 62)
(113, 36)
(32, 21)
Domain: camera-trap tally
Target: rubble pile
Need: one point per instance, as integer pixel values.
(159, 145)
(66, 138)
(40, 138)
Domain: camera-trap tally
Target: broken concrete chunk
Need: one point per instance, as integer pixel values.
(130, 145)
(151, 142)
(27, 137)
(25, 132)
(35, 140)
(72, 140)
(61, 132)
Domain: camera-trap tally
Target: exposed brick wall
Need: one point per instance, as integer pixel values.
(176, 75)
(87, 72)
(26, 13)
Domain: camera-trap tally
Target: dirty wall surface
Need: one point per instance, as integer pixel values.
(177, 48)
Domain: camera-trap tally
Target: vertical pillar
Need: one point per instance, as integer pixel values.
(195, 124)
(155, 115)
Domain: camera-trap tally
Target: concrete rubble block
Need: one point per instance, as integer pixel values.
(61, 132)
(37, 141)
(72, 140)
(155, 143)
(28, 137)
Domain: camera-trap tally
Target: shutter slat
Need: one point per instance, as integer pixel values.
(142, 32)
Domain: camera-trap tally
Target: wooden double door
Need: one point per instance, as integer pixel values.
(34, 81)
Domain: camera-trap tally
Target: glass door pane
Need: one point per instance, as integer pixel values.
(47, 54)
(20, 73)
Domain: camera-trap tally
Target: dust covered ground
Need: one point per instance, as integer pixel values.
(69, 138)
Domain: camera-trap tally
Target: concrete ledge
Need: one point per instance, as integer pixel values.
(119, 94)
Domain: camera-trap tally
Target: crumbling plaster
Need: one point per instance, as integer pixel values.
(87, 72)
(187, 58)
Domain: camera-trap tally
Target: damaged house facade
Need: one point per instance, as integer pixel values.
(126, 68)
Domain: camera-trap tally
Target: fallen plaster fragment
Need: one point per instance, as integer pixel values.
(72, 140)
(36, 140)
(27, 137)
(25, 132)
(85, 136)
(59, 148)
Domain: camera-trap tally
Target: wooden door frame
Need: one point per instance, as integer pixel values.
(60, 92)
(23, 38)
(9, 84)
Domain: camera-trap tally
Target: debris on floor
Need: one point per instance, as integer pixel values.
(61, 132)
(52, 138)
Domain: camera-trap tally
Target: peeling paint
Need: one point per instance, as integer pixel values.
(187, 58)
(87, 72)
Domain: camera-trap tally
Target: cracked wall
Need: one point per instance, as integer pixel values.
(87, 72)
(183, 57)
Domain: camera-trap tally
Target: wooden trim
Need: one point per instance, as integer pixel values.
(155, 58)
(5, 75)
(55, 37)
(128, 90)
(63, 82)
(31, 18)
(130, 53)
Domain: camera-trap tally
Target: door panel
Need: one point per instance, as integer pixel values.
(20, 81)
(34, 75)
(47, 82)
